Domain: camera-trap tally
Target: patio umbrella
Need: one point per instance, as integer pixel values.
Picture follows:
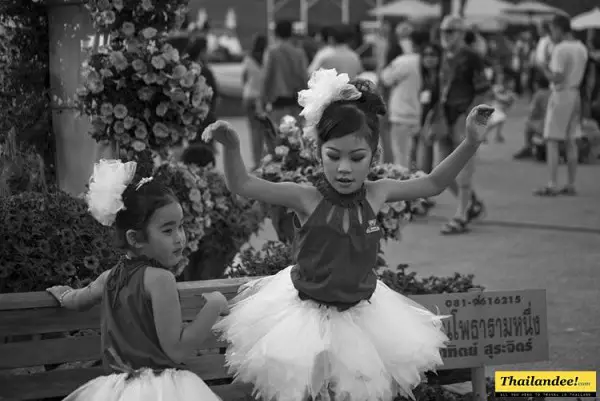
(485, 8)
(407, 8)
(534, 9)
(587, 20)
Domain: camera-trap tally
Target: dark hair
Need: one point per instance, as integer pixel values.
(259, 45)
(326, 33)
(140, 205)
(470, 38)
(201, 154)
(198, 46)
(284, 29)
(542, 82)
(545, 28)
(339, 34)
(346, 117)
(562, 22)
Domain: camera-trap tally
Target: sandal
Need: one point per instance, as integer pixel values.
(475, 210)
(568, 191)
(455, 226)
(546, 191)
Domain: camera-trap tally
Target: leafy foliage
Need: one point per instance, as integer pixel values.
(49, 239)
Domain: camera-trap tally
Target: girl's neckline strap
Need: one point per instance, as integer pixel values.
(333, 196)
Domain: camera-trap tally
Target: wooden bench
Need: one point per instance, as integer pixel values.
(37, 363)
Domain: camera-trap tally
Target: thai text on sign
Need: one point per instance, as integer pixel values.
(491, 327)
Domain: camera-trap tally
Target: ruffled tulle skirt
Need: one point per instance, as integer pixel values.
(145, 385)
(290, 348)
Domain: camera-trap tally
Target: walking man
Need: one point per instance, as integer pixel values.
(565, 71)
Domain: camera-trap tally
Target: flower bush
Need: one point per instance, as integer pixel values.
(275, 256)
(216, 222)
(24, 78)
(144, 96)
(23, 64)
(292, 157)
(50, 239)
(233, 223)
(195, 193)
(123, 16)
(139, 91)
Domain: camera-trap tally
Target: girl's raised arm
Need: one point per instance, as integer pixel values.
(239, 181)
(83, 298)
(442, 176)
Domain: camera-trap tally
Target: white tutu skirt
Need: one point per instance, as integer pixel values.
(290, 348)
(170, 385)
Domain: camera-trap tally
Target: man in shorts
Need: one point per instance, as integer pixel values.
(463, 84)
(566, 72)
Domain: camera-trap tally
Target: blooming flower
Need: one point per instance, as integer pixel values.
(149, 33)
(147, 5)
(158, 62)
(118, 4)
(138, 146)
(106, 109)
(160, 130)
(120, 111)
(139, 65)
(162, 109)
(127, 28)
(141, 132)
(118, 60)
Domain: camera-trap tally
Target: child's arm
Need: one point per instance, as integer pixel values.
(179, 341)
(239, 181)
(83, 298)
(443, 175)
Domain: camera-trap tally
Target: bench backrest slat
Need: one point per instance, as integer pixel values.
(60, 382)
(38, 312)
(63, 350)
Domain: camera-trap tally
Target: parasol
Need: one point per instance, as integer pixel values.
(587, 20)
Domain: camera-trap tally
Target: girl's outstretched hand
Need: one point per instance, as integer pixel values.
(222, 132)
(477, 122)
(57, 291)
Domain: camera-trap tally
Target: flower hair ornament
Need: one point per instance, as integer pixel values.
(106, 187)
(143, 181)
(324, 88)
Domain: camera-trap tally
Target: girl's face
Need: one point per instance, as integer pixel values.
(165, 238)
(346, 162)
(430, 58)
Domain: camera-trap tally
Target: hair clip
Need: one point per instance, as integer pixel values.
(143, 181)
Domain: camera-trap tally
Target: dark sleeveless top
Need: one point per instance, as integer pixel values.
(335, 267)
(129, 338)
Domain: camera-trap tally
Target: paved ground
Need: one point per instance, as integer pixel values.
(525, 242)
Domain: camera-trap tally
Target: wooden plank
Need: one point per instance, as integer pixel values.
(58, 383)
(54, 319)
(41, 299)
(57, 351)
(55, 383)
(46, 320)
(35, 353)
(48, 317)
